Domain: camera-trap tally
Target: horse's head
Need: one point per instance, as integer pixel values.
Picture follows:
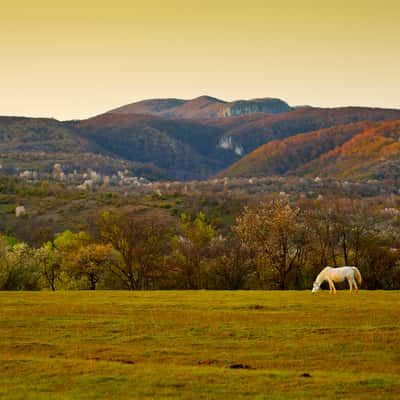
(315, 287)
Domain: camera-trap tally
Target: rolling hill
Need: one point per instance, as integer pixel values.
(39, 143)
(357, 151)
(18, 134)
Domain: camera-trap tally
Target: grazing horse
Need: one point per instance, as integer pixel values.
(352, 274)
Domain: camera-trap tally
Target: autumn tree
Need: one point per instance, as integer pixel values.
(92, 261)
(274, 231)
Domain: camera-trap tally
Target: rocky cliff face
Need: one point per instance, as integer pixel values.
(226, 143)
(242, 107)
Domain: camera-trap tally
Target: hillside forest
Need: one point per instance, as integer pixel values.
(205, 240)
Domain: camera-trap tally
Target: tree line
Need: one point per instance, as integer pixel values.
(273, 244)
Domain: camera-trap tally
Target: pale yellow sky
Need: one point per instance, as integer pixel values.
(74, 59)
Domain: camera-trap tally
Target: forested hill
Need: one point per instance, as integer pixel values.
(198, 139)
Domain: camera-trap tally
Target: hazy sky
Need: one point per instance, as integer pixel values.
(73, 59)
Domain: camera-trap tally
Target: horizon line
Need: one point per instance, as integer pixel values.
(91, 115)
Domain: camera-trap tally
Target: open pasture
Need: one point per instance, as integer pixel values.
(152, 345)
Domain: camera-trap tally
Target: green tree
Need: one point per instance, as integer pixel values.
(68, 242)
(192, 249)
(18, 270)
(67, 245)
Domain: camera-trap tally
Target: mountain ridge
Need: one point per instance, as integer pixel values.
(183, 145)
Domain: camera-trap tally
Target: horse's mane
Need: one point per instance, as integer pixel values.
(323, 270)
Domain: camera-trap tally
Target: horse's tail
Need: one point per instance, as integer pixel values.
(357, 275)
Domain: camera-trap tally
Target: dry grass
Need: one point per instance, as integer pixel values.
(126, 345)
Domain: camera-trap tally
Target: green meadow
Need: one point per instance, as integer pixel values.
(199, 345)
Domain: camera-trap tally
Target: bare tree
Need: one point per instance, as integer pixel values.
(142, 244)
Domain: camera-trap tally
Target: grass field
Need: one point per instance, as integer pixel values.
(152, 345)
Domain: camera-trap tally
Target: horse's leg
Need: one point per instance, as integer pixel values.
(355, 285)
(332, 288)
(350, 281)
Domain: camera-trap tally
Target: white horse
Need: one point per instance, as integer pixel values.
(352, 274)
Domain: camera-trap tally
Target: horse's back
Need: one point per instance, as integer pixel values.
(348, 271)
(350, 268)
(339, 274)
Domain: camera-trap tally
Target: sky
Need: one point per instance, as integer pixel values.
(75, 59)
